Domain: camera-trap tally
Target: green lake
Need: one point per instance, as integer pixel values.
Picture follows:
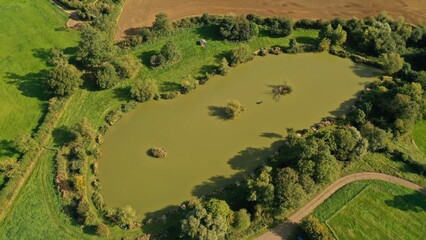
(205, 151)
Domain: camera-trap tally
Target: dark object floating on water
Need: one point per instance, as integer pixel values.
(259, 102)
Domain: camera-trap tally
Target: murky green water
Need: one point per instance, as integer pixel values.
(205, 150)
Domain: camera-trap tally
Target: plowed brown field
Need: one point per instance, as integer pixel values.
(139, 13)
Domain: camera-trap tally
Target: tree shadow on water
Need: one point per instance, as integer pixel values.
(218, 112)
(364, 71)
(414, 202)
(271, 135)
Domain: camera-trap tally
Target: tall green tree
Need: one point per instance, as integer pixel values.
(391, 62)
(162, 25)
(64, 79)
(238, 28)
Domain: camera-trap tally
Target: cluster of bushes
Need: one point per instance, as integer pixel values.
(169, 54)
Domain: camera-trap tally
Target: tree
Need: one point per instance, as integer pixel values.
(327, 168)
(102, 230)
(162, 24)
(314, 229)
(336, 36)
(241, 220)
(392, 62)
(95, 47)
(170, 52)
(293, 46)
(261, 188)
(64, 79)
(233, 109)
(223, 68)
(238, 28)
(282, 27)
(289, 192)
(209, 220)
(344, 140)
(124, 215)
(378, 138)
(324, 45)
(107, 76)
(57, 56)
(356, 117)
(241, 54)
(144, 90)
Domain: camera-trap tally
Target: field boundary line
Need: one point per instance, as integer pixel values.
(343, 207)
(6, 206)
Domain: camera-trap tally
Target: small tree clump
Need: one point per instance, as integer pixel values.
(107, 76)
(281, 90)
(158, 152)
(223, 68)
(233, 109)
(392, 62)
(102, 230)
(241, 54)
(162, 25)
(64, 79)
(314, 229)
(144, 90)
(324, 45)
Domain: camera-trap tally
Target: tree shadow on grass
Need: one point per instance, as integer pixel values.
(208, 32)
(414, 202)
(62, 135)
(31, 84)
(218, 112)
(7, 149)
(122, 93)
(146, 56)
(306, 40)
(207, 69)
(170, 86)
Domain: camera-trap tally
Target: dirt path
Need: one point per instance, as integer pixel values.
(284, 230)
(140, 13)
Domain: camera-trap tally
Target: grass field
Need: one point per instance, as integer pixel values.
(29, 28)
(374, 210)
(419, 135)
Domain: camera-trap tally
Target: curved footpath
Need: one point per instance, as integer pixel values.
(285, 229)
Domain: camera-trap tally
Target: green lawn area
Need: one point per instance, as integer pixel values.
(374, 210)
(419, 135)
(29, 28)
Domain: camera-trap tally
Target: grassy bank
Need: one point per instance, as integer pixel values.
(419, 135)
(374, 210)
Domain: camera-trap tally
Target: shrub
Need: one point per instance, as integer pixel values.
(107, 76)
(157, 60)
(324, 45)
(127, 66)
(144, 90)
(102, 230)
(314, 229)
(241, 220)
(282, 27)
(123, 216)
(158, 152)
(238, 29)
(130, 105)
(293, 46)
(241, 54)
(170, 52)
(162, 25)
(223, 68)
(113, 116)
(392, 62)
(233, 109)
(188, 85)
(169, 95)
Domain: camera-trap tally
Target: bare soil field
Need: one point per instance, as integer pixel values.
(140, 13)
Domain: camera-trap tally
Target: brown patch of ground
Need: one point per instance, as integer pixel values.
(140, 13)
